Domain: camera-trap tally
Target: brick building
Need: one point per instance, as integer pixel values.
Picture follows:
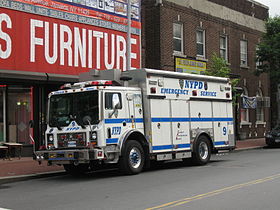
(188, 32)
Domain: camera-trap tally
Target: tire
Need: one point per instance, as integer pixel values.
(132, 160)
(78, 170)
(202, 151)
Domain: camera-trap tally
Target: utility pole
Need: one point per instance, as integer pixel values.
(128, 41)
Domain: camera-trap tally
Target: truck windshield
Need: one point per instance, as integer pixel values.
(80, 107)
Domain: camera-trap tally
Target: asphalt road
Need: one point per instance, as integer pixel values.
(246, 180)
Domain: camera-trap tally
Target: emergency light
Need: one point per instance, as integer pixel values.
(87, 84)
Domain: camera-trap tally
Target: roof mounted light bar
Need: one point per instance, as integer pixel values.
(87, 84)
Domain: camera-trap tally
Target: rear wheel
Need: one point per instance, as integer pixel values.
(76, 170)
(132, 160)
(202, 151)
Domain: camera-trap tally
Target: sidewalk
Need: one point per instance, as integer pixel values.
(26, 167)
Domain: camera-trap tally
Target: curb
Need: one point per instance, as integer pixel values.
(248, 148)
(9, 179)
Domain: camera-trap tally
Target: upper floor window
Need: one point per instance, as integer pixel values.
(243, 53)
(200, 43)
(178, 37)
(258, 62)
(223, 47)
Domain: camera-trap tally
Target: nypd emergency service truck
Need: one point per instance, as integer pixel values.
(134, 117)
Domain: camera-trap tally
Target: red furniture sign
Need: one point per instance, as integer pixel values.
(60, 42)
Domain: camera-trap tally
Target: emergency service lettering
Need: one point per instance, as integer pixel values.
(174, 91)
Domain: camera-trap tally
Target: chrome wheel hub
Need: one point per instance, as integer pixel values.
(203, 150)
(135, 157)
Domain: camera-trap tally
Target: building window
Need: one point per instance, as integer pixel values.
(244, 113)
(259, 109)
(258, 62)
(200, 43)
(243, 53)
(178, 38)
(223, 47)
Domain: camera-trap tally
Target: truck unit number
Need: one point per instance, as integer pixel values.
(116, 130)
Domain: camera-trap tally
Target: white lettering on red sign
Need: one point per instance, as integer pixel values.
(77, 45)
(5, 53)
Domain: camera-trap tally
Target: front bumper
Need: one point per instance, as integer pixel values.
(69, 156)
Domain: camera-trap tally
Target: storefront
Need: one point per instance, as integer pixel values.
(22, 100)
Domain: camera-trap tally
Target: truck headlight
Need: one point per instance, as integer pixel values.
(93, 136)
(50, 138)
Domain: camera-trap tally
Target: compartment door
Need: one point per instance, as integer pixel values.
(161, 125)
(180, 125)
(221, 121)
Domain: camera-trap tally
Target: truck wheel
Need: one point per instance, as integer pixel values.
(202, 152)
(132, 160)
(78, 170)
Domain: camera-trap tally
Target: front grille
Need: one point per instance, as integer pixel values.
(66, 140)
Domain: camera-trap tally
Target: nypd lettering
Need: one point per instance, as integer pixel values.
(194, 84)
(73, 129)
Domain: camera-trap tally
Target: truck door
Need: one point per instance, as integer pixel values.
(135, 109)
(180, 125)
(116, 117)
(221, 120)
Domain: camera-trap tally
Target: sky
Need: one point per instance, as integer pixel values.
(274, 6)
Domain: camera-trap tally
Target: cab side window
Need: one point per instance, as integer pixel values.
(109, 99)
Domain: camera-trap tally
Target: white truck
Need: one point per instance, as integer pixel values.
(134, 117)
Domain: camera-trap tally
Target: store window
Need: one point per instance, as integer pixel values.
(243, 53)
(19, 112)
(178, 38)
(200, 43)
(244, 113)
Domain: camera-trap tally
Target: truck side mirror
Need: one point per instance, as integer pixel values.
(86, 120)
(31, 124)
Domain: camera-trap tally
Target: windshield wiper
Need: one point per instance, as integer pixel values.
(57, 125)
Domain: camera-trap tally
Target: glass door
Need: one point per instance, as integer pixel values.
(19, 113)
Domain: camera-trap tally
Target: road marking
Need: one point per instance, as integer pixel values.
(213, 193)
(4, 209)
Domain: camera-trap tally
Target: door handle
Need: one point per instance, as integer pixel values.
(158, 125)
(124, 123)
